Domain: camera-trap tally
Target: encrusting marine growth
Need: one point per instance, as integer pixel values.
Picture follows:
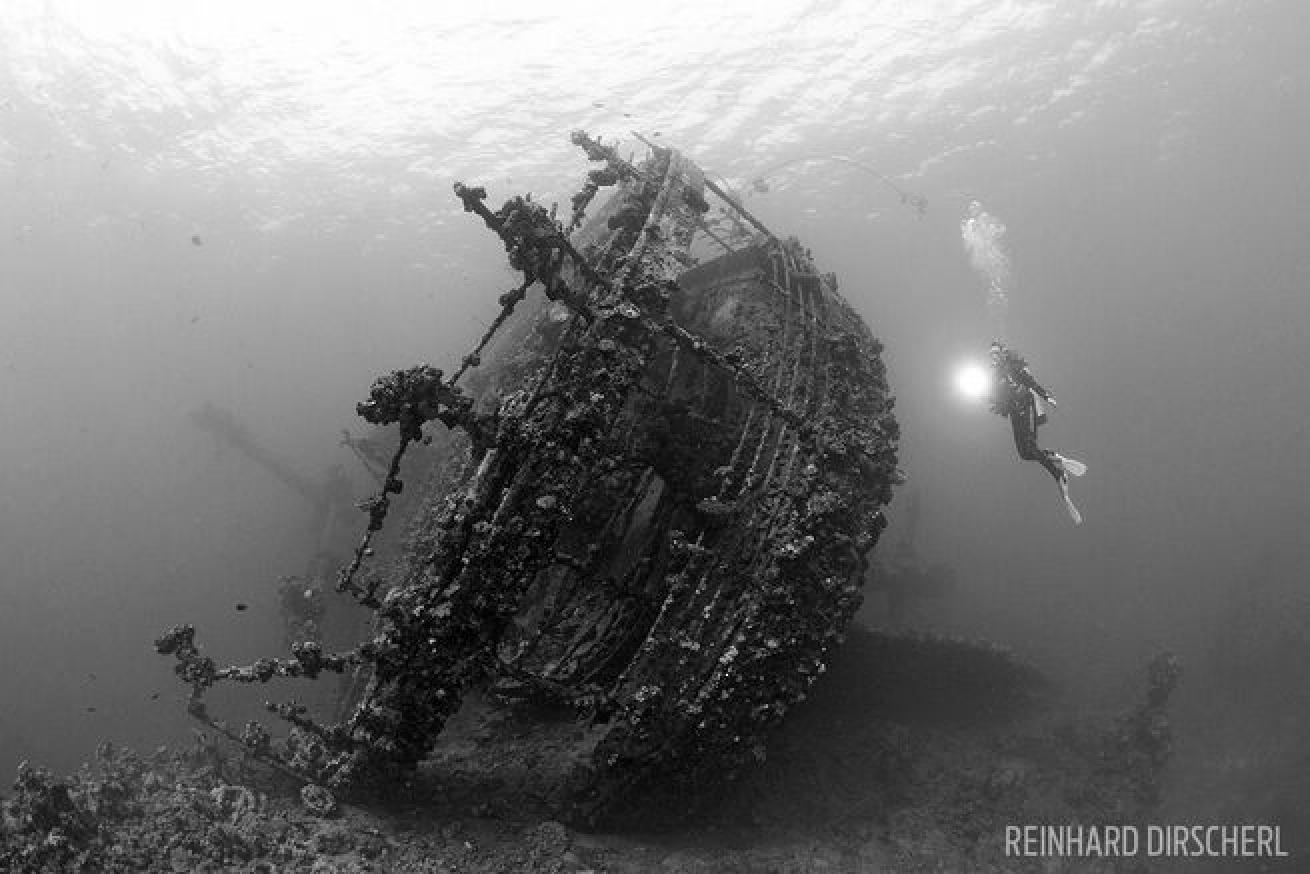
(669, 476)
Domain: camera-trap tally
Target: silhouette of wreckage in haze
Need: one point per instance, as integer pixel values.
(667, 473)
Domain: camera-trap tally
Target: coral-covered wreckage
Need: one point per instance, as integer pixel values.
(674, 444)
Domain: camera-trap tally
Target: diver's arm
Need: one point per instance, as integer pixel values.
(1027, 379)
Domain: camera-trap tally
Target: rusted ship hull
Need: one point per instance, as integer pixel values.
(677, 535)
(669, 476)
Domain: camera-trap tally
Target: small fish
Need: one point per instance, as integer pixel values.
(196, 241)
(195, 319)
(90, 710)
(154, 697)
(241, 607)
(598, 104)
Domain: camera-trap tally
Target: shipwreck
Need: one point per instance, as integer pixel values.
(661, 474)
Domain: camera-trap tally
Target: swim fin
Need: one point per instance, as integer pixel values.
(1073, 511)
(1072, 465)
(1068, 503)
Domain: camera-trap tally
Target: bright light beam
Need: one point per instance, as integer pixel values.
(973, 381)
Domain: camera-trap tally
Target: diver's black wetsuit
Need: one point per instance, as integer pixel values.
(1016, 398)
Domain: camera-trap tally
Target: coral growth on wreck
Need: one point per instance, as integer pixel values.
(662, 518)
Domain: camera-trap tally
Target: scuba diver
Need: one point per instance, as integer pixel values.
(1016, 398)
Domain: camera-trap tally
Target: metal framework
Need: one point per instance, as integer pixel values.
(661, 510)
